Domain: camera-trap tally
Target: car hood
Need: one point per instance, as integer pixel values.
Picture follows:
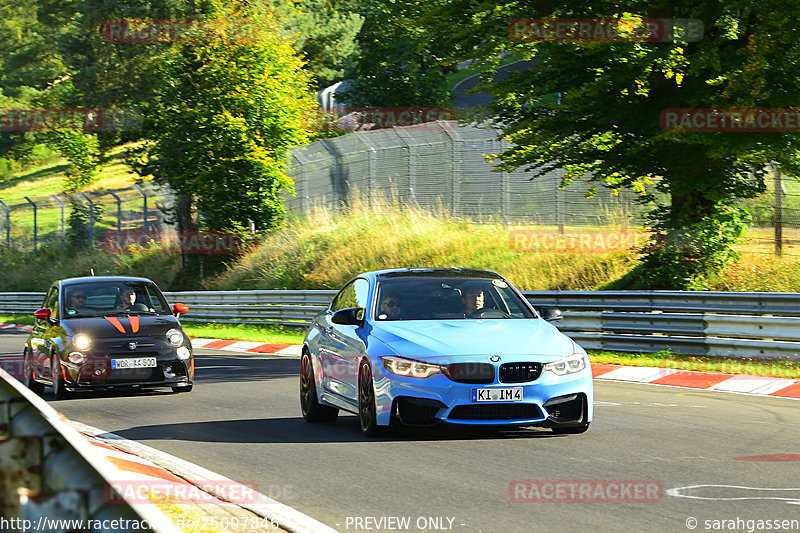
(517, 339)
(104, 327)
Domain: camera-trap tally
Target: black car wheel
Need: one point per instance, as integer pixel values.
(59, 390)
(311, 408)
(366, 402)
(28, 376)
(573, 430)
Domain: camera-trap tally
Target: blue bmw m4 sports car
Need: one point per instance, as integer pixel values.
(424, 346)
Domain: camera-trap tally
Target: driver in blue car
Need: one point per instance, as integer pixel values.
(472, 297)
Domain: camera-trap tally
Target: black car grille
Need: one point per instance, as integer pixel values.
(496, 411)
(472, 373)
(519, 372)
(418, 411)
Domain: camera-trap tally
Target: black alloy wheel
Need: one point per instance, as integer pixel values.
(312, 410)
(28, 377)
(366, 403)
(59, 389)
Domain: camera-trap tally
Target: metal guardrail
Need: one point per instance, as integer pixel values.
(737, 324)
(51, 476)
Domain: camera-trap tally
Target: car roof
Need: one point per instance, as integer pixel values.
(452, 272)
(86, 279)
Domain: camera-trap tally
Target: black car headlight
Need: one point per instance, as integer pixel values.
(409, 367)
(568, 364)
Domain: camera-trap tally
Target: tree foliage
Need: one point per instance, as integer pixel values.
(227, 109)
(593, 109)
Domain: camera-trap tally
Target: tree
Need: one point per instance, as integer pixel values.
(231, 101)
(604, 122)
(325, 34)
(402, 61)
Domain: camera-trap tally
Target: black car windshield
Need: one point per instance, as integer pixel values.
(104, 298)
(442, 298)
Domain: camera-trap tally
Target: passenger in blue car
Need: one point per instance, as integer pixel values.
(472, 296)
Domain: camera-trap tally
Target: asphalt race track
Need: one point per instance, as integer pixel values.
(646, 445)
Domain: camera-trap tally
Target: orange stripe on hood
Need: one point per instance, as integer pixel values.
(117, 324)
(134, 323)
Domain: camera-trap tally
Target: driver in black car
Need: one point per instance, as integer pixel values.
(472, 297)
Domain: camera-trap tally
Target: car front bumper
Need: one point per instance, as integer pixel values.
(550, 401)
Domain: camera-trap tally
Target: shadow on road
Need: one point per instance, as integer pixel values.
(296, 430)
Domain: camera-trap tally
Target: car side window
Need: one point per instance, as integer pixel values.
(345, 295)
(361, 287)
(51, 302)
(354, 294)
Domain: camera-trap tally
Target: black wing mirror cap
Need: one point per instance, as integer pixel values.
(551, 314)
(352, 316)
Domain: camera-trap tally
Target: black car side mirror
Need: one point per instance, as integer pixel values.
(551, 314)
(352, 316)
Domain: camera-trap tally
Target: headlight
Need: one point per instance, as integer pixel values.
(568, 365)
(81, 341)
(183, 352)
(175, 337)
(76, 357)
(409, 367)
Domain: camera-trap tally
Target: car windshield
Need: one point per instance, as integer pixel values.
(108, 298)
(441, 298)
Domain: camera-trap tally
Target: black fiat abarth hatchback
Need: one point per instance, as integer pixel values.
(96, 333)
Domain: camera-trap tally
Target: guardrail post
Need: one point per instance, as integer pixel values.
(35, 227)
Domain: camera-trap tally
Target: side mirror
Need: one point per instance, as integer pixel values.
(179, 309)
(551, 314)
(353, 316)
(43, 313)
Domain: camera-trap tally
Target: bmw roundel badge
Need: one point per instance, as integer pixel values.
(494, 358)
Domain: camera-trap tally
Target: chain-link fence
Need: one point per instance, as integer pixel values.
(31, 223)
(444, 167)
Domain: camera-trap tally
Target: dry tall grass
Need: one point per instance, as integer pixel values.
(326, 249)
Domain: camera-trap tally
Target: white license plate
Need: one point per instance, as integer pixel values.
(135, 362)
(508, 394)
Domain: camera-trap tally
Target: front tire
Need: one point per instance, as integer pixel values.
(28, 377)
(312, 410)
(59, 389)
(366, 403)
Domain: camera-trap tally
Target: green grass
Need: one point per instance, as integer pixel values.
(245, 332)
(16, 319)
